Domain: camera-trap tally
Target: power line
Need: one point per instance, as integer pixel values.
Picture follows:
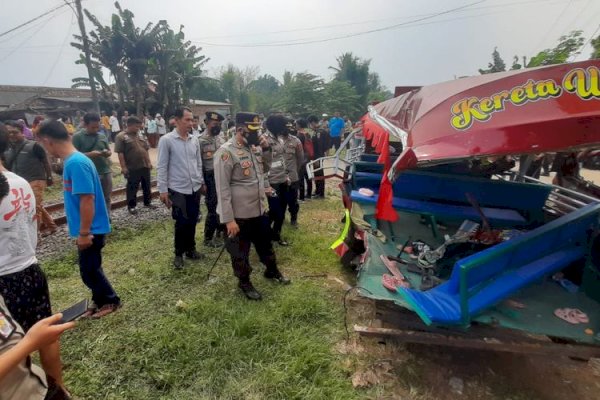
(40, 25)
(34, 19)
(558, 17)
(590, 39)
(517, 3)
(272, 44)
(60, 51)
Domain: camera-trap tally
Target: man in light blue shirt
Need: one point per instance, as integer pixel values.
(180, 183)
(336, 126)
(87, 216)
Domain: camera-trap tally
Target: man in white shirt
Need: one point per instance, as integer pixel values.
(181, 182)
(115, 128)
(23, 284)
(152, 131)
(161, 126)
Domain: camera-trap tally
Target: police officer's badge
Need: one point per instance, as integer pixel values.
(7, 328)
(247, 172)
(246, 164)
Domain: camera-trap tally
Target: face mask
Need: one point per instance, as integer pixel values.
(252, 139)
(215, 130)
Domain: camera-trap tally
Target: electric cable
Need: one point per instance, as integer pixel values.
(395, 26)
(34, 19)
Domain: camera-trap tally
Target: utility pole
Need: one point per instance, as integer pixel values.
(88, 59)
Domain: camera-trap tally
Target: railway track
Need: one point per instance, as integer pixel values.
(62, 219)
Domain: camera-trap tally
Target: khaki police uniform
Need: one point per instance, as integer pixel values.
(26, 381)
(279, 180)
(209, 144)
(294, 157)
(240, 183)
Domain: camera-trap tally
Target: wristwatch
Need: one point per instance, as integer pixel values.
(85, 234)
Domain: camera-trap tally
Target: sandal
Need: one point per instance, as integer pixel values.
(392, 267)
(579, 316)
(392, 283)
(572, 315)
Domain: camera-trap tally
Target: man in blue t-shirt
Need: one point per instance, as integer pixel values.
(336, 126)
(86, 213)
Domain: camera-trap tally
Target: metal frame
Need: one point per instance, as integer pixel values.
(341, 166)
(561, 200)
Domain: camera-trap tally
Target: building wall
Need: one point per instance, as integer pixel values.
(202, 110)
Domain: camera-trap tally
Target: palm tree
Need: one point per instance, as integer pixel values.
(138, 48)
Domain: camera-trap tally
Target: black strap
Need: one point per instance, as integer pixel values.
(13, 160)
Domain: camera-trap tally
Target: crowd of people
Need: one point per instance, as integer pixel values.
(251, 171)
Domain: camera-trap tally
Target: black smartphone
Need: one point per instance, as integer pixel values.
(73, 312)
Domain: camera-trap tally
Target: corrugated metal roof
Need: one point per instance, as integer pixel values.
(12, 95)
(208, 103)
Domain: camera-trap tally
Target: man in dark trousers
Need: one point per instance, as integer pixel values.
(239, 176)
(320, 145)
(210, 141)
(86, 213)
(29, 160)
(277, 176)
(94, 144)
(180, 183)
(294, 157)
(132, 148)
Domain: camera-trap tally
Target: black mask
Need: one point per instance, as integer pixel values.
(252, 139)
(215, 130)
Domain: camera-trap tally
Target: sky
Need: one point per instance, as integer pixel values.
(409, 42)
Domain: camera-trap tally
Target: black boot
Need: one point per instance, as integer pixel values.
(276, 275)
(249, 290)
(194, 255)
(178, 262)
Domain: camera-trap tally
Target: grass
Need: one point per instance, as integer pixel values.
(216, 345)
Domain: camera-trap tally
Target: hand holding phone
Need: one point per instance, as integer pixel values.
(74, 312)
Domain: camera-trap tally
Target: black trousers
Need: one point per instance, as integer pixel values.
(185, 210)
(277, 207)
(305, 189)
(134, 179)
(211, 224)
(292, 200)
(252, 231)
(319, 183)
(92, 274)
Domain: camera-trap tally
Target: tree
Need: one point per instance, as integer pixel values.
(516, 64)
(340, 96)
(134, 55)
(176, 66)
(568, 46)
(267, 91)
(355, 71)
(207, 88)
(301, 94)
(107, 50)
(139, 48)
(235, 83)
(497, 64)
(596, 47)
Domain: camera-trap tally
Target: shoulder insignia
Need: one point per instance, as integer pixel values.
(225, 156)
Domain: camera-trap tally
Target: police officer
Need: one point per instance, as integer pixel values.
(278, 177)
(210, 141)
(294, 157)
(242, 197)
